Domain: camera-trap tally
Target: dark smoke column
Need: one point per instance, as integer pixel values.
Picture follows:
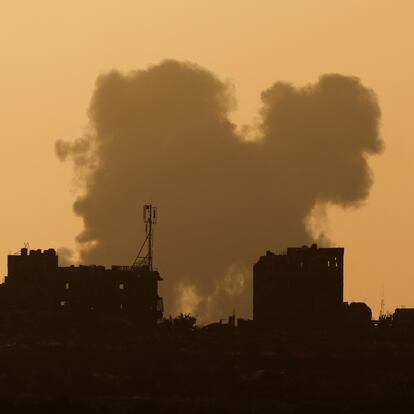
(164, 134)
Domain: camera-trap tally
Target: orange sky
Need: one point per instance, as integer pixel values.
(52, 52)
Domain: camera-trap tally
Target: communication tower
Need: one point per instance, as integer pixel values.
(382, 305)
(150, 218)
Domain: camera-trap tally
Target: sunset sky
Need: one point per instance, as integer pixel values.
(52, 53)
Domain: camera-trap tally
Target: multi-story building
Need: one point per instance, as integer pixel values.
(35, 285)
(299, 288)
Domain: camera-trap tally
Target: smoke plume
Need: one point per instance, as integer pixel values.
(164, 135)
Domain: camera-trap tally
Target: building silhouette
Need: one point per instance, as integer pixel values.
(37, 287)
(303, 288)
(404, 317)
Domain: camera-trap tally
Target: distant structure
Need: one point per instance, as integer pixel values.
(404, 317)
(150, 218)
(303, 287)
(382, 314)
(37, 287)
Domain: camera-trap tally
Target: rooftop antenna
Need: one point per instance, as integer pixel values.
(382, 305)
(150, 218)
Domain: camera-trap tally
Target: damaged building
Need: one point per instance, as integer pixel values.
(303, 287)
(37, 287)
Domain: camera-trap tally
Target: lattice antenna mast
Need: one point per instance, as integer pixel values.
(382, 306)
(150, 218)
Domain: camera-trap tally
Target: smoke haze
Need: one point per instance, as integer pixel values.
(164, 135)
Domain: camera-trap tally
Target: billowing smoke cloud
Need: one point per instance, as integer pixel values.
(164, 135)
(66, 256)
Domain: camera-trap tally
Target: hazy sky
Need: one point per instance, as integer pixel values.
(52, 53)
